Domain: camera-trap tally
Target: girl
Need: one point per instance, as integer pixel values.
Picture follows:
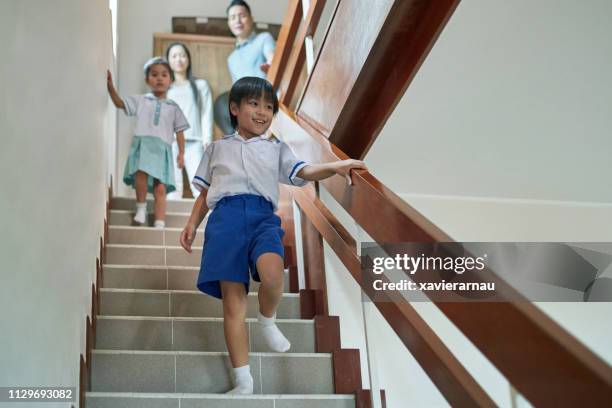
(238, 180)
(194, 98)
(149, 165)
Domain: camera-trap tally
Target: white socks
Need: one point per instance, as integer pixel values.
(141, 213)
(275, 340)
(141, 216)
(243, 381)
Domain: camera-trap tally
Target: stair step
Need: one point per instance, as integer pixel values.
(129, 203)
(184, 400)
(159, 277)
(166, 303)
(121, 234)
(192, 334)
(208, 372)
(125, 217)
(156, 255)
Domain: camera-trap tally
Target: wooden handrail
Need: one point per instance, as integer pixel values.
(545, 363)
(291, 23)
(533, 352)
(297, 58)
(446, 372)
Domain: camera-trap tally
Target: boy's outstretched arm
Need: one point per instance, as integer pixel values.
(315, 172)
(113, 93)
(195, 219)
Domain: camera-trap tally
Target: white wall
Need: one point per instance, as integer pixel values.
(56, 133)
(512, 102)
(137, 21)
(502, 136)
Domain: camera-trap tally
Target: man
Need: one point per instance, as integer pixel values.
(251, 57)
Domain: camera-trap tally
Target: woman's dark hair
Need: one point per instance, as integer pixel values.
(190, 77)
(238, 3)
(251, 87)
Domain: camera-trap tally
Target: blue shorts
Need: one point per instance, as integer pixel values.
(239, 230)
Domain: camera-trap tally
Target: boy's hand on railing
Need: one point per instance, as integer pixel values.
(187, 237)
(344, 168)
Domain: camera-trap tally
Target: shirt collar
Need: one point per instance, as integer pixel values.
(248, 40)
(151, 96)
(239, 138)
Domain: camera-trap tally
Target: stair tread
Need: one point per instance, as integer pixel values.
(127, 290)
(220, 396)
(209, 353)
(195, 319)
(131, 266)
(132, 212)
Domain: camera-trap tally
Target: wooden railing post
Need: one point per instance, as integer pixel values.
(286, 39)
(297, 58)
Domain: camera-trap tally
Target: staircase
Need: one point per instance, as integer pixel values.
(159, 341)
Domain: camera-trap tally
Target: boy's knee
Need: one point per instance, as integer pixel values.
(234, 308)
(272, 278)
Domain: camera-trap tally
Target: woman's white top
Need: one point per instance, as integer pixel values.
(232, 166)
(201, 125)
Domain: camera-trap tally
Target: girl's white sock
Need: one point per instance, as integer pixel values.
(141, 213)
(159, 224)
(272, 335)
(243, 381)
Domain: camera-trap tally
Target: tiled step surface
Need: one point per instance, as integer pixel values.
(157, 400)
(166, 303)
(122, 234)
(129, 203)
(208, 372)
(159, 277)
(160, 342)
(191, 334)
(125, 217)
(152, 255)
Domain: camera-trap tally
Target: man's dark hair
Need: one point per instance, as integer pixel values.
(251, 87)
(238, 3)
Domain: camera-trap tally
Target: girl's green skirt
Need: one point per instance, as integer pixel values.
(153, 156)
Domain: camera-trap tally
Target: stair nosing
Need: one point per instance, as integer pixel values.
(143, 228)
(170, 291)
(206, 353)
(156, 267)
(195, 319)
(167, 213)
(214, 396)
(132, 246)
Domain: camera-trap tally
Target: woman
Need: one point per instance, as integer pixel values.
(195, 100)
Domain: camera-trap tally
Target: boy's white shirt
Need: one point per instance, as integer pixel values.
(233, 166)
